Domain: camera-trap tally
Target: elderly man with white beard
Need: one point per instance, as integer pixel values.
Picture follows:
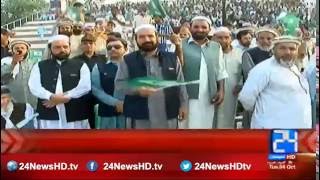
(276, 91)
(253, 56)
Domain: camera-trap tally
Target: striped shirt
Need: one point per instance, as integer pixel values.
(164, 32)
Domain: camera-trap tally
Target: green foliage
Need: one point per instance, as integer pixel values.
(14, 9)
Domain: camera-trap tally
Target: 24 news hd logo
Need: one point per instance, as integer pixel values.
(284, 145)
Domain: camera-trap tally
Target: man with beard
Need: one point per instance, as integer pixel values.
(244, 38)
(226, 112)
(253, 56)
(148, 107)
(64, 28)
(204, 62)
(15, 72)
(276, 91)
(75, 39)
(60, 85)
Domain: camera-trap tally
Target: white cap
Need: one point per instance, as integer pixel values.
(201, 18)
(286, 39)
(145, 26)
(266, 29)
(222, 29)
(100, 19)
(59, 37)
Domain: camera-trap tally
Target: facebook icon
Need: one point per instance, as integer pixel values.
(92, 166)
(284, 141)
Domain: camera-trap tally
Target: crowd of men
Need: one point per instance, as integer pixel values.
(84, 79)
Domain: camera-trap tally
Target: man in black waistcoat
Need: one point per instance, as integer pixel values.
(102, 77)
(15, 115)
(88, 56)
(61, 85)
(148, 107)
(253, 56)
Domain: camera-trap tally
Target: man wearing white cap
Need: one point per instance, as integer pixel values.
(148, 107)
(204, 62)
(276, 91)
(225, 116)
(253, 56)
(15, 72)
(60, 85)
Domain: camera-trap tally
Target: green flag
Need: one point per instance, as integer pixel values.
(290, 23)
(153, 82)
(156, 9)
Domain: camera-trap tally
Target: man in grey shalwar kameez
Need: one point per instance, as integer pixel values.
(147, 107)
(15, 72)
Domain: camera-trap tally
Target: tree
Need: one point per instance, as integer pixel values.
(14, 9)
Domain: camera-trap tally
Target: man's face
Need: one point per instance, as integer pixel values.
(224, 38)
(110, 27)
(246, 40)
(65, 30)
(157, 19)
(306, 36)
(115, 50)
(77, 30)
(88, 46)
(286, 51)
(60, 49)
(147, 40)
(184, 33)
(100, 26)
(5, 100)
(199, 29)
(264, 40)
(89, 30)
(20, 49)
(4, 39)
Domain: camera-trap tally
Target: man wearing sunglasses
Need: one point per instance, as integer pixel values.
(146, 107)
(103, 75)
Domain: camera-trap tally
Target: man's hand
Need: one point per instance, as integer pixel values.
(16, 58)
(236, 90)
(146, 91)
(48, 104)
(218, 98)
(59, 99)
(175, 39)
(183, 113)
(119, 107)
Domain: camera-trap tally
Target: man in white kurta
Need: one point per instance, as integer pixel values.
(276, 90)
(202, 108)
(226, 112)
(37, 89)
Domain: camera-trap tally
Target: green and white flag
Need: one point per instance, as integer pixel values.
(152, 82)
(156, 9)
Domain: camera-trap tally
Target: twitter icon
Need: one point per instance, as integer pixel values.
(185, 166)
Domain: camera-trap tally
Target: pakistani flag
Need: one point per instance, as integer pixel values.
(156, 9)
(153, 82)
